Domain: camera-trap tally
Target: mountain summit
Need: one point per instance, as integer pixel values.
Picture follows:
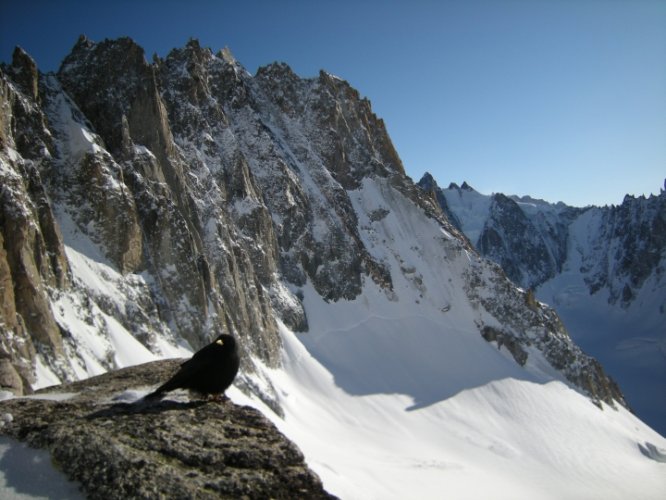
(149, 206)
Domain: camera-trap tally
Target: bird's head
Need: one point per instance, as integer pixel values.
(226, 341)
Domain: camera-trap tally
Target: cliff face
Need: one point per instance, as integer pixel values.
(32, 258)
(626, 247)
(147, 206)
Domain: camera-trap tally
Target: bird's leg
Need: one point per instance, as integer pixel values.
(219, 398)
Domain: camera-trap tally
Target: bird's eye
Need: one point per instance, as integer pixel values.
(219, 341)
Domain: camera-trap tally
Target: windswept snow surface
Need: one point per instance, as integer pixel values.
(392, 395)
(511, 437)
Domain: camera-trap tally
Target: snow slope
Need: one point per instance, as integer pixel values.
(623, 330)
(510, 438)
(390, 397)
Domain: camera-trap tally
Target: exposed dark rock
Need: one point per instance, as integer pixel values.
(630, 247)
(429, 185)
(25, 73)
(503, 340)
(527, 323)
(104, 79)
(510, 239)
(168, 449)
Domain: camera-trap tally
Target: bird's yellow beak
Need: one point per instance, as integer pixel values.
(219, 342)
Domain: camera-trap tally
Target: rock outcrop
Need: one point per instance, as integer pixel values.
(539, 326)
(175, 448)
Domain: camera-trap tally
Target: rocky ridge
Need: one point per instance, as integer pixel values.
(154, 204)
(530, 248)
(530, 238)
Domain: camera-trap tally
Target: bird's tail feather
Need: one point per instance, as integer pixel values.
(156, 394)
(152, 396)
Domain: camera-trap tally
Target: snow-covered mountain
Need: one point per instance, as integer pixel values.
(602, 269)
(146, 206)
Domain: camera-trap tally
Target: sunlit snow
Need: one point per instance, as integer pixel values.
(390, 398)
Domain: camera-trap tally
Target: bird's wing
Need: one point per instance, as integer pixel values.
(199, 355)
(187, 371)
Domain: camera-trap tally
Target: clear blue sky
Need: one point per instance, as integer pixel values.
(559, 99)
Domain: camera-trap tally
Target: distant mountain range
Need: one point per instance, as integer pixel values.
(602, 268)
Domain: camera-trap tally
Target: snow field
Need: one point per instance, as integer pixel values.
(389, 397)
(510, 438)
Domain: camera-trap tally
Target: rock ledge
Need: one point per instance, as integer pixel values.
(166, 449)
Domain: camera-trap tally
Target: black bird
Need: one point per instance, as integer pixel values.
(209, 372)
